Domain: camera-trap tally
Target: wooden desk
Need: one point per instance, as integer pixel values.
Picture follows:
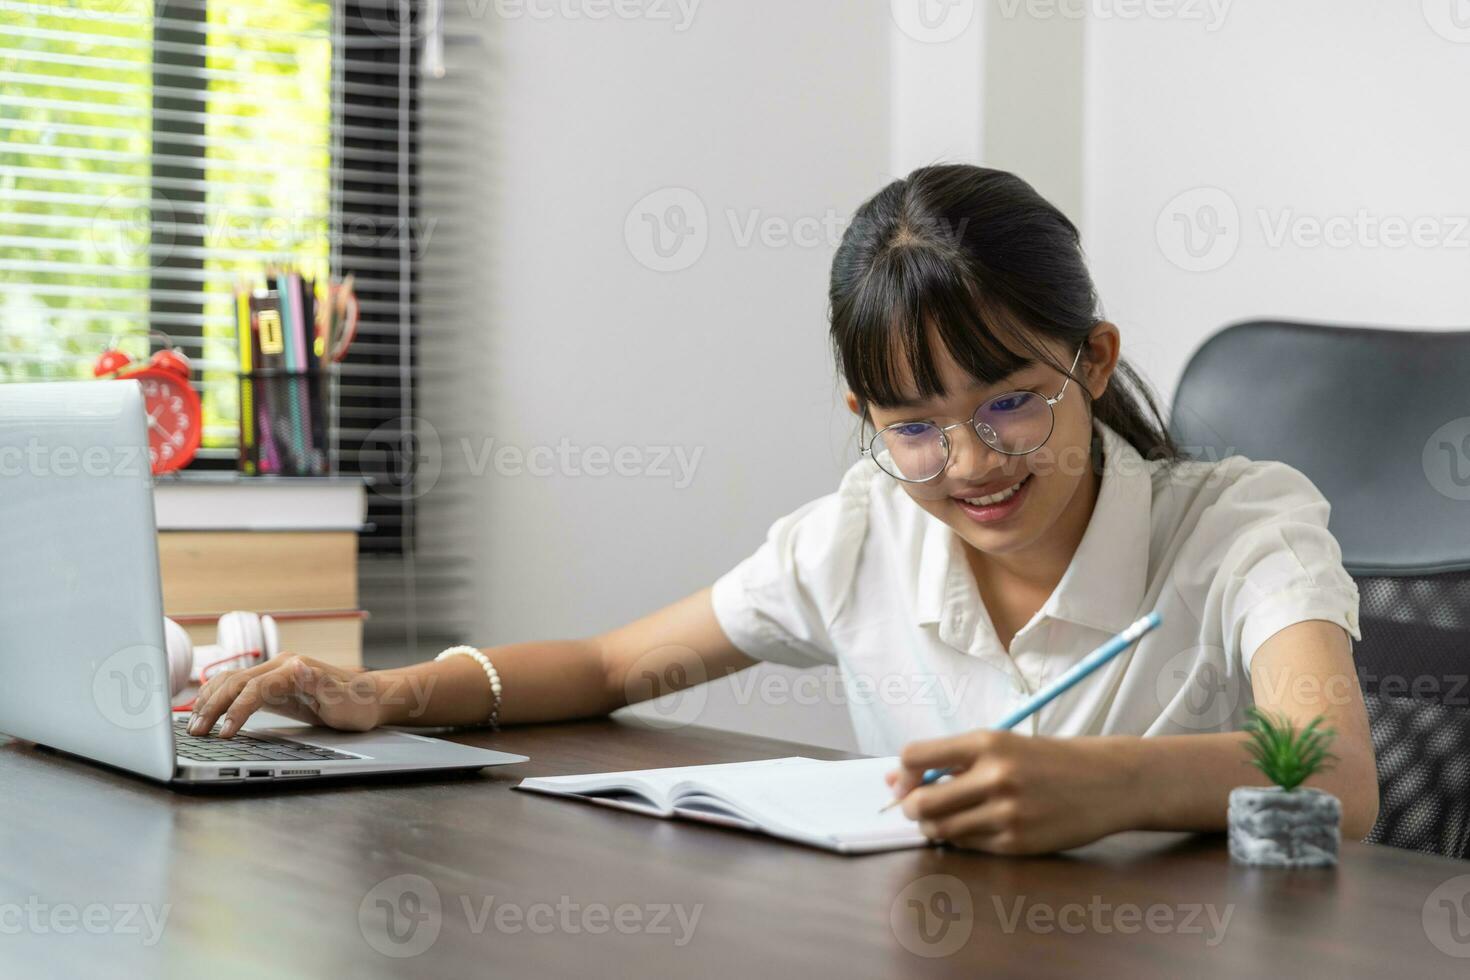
(271, 883)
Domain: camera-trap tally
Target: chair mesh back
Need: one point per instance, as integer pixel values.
(1414, 665)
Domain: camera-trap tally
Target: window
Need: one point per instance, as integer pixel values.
(149, 162)
(152, 153)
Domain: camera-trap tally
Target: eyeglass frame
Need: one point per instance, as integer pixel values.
(1051, 403)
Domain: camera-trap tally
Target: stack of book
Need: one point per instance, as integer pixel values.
(285, 546)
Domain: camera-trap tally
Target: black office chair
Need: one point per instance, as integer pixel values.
(1379, 420)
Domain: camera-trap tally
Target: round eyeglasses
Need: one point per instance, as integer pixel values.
(1013, 424)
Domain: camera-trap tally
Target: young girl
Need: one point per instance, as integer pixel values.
(1017, 504)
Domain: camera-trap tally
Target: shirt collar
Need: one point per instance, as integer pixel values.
(1105, 583)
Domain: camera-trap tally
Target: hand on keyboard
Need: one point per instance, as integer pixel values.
(297, 687)
(248, 748)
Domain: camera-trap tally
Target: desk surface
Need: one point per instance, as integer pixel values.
(278, 883)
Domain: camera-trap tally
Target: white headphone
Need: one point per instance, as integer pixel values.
(243, 639)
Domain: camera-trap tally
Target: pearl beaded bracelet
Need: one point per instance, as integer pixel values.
(491, 675)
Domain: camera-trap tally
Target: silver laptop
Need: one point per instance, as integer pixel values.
(83, 666)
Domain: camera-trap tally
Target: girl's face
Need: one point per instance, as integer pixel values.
(1003, 504)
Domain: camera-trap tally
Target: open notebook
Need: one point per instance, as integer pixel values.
(832, 805)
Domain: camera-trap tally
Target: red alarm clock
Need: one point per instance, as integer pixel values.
(175, 416)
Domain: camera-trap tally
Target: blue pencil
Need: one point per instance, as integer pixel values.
(1060, 686)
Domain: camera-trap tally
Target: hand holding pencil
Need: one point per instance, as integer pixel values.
(959, 756)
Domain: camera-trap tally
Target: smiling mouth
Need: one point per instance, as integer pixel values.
(999, 497)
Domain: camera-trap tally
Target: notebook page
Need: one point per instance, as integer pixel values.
(652, 784)
(836, 802)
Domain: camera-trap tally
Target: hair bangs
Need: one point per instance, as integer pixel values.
(914, 299)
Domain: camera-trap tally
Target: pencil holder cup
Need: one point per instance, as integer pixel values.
(285, 422)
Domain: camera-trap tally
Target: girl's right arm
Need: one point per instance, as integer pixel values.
(678, 646)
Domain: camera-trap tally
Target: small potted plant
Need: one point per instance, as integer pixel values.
(1287, 825)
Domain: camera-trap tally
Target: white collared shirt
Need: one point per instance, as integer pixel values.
(1228, 553)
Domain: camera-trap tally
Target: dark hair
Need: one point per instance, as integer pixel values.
(988, 265)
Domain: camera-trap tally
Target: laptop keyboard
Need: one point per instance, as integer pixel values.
(247, 748)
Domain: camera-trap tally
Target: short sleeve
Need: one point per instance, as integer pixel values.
(779, 603)
(1281, 564)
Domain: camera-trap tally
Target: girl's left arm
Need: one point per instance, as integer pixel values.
(1023, 794)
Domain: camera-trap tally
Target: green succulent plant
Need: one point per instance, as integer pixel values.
(1286, 755)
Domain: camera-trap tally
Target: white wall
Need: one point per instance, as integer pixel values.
(767, 112)
(1298, 111)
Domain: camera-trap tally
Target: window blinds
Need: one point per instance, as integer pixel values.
(152, 153)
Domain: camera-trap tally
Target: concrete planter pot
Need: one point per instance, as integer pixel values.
(1273, 828)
